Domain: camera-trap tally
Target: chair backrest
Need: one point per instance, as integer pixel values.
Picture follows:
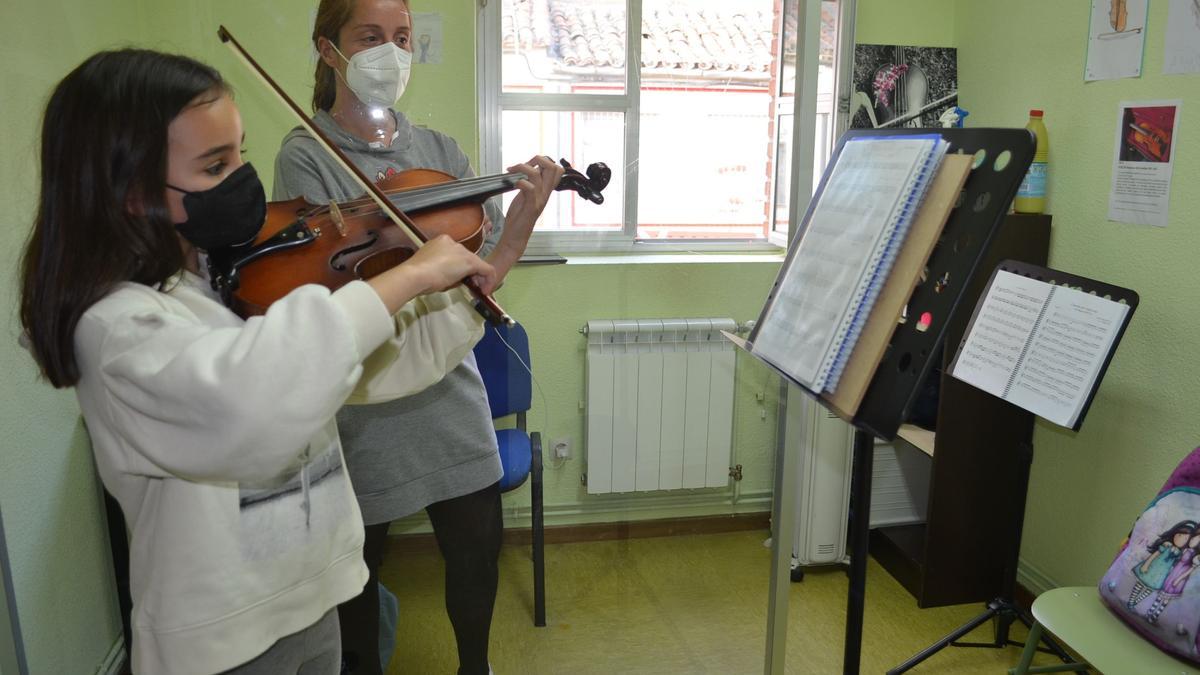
(509, 385)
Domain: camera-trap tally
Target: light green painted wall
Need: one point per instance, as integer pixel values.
(1087, 488)
(47, 486)
(48, 489)
(279, 36)
(555, 301)
(442, 96)
(924, 23)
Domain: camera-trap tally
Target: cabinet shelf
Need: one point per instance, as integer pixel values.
(957, 555)
(921, 439)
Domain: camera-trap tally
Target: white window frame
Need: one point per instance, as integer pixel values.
(492, 101)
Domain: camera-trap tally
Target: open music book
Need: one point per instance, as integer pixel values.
(1040, 346)
(850, 240)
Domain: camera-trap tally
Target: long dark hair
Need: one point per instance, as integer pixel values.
(1188, 526)
(102, 215)
(331, 16)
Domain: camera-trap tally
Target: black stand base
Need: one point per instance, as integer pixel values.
(1003, 612)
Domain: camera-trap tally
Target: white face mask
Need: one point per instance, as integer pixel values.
(378, 75)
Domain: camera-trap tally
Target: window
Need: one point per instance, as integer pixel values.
(698, 137)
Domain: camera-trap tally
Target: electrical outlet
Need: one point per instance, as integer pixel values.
(562, 448)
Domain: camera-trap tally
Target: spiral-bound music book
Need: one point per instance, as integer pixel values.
(838, 267)
(1042, 339)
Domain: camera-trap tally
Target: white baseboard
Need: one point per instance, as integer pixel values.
(115, 659)
(1033, 579)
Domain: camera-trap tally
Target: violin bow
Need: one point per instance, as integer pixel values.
(486, 305)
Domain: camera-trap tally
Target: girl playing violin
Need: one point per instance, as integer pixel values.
(215, 434)
(402, 455)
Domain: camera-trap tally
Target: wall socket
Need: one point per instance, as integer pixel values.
(561, 448)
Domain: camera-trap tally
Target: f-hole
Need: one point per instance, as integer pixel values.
(336, 262)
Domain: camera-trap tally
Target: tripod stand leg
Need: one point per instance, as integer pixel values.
(938, 646)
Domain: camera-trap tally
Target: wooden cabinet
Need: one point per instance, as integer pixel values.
(976, 486)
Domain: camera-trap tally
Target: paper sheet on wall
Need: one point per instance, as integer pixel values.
(427, 37)
(1116, 39)
(1143, 162)
(1182, 52)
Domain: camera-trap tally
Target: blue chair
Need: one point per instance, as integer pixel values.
(510, 391)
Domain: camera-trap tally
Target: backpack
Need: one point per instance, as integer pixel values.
(1154, 583)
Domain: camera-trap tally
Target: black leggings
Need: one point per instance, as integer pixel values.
(468, 530)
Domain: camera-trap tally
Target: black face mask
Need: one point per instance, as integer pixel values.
(229, 214)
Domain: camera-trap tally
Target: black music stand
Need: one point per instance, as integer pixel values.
(1002, 158)
(1004, 609)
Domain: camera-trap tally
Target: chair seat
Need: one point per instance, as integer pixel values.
(515, 455)
(1078, 617)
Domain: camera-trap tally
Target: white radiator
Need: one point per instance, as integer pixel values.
(659, 404)
(899, 482)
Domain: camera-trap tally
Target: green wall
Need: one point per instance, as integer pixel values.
(555, 301)
(924, 23)
(48, 490)
(1087, 488)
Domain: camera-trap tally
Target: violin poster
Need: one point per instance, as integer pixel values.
(1143, 162)
(1116, 39)
(902, 86)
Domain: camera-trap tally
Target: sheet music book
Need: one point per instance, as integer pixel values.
(1040, 346)
(844, 254)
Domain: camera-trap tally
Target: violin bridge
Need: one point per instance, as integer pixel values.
(336, 216)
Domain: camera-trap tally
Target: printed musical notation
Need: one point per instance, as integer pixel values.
(1039, 346)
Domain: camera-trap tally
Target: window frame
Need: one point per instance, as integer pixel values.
(492, 102)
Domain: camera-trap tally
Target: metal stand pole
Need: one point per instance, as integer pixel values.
(860, 533)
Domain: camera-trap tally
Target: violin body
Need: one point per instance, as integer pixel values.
(334, 244)
(304, 243)
(1118, 14)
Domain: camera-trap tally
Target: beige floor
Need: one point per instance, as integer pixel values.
(694, 604)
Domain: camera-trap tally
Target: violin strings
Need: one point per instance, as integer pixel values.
(418, 191)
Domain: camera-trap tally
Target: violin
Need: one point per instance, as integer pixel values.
(334, 244)
(1118, 14)
(333, 256)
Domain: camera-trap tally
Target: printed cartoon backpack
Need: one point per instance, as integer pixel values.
(1154, 583)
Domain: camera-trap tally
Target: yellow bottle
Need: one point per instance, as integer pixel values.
(1031, 198)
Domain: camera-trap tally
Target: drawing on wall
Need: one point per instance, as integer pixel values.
(427, 37)
(902, 86)
(1182, 51)
(1116, 39)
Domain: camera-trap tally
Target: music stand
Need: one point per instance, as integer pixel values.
(1002, 158)
(1004, 609)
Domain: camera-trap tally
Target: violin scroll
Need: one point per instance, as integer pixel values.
(589, 186)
